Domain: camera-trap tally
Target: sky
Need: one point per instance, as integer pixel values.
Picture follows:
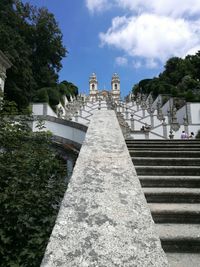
(133, 38)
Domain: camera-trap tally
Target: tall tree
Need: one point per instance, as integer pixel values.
(181, 78)
(32, 40)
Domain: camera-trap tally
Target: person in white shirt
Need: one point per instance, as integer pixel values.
(184, 135)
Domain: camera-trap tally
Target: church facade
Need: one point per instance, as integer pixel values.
(96, 94)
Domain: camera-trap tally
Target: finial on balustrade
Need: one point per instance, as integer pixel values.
(171, 135)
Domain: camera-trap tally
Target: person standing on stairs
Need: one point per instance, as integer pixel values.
(184, 135)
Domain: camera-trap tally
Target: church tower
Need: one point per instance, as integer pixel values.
(93, 87)
(115, 85)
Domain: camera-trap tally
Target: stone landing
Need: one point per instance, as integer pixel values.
(104, 219)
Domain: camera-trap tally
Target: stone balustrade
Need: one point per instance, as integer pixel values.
(104, 219)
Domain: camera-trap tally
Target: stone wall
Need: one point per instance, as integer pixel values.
(104, 219)
(63, 131)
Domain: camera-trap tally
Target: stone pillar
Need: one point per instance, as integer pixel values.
(80, 112)
(171, 135)
(123, 108)
(164, 128)
(143, 112)
(132, 123)
(126, 113)
(4, 65)
(76, 116)
(152, 119)
(185, 123)
(99, 105)
(146, 133)
(118, 107)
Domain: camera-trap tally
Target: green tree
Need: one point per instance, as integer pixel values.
(32, 40)
(180, 78)
(72, 90)
(31, 188)
(48, 50)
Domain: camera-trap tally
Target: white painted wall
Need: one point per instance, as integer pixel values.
(181, 113)
(195, 112)
(139, 136)
(147, 120)
(37, 109)
(166, 107)
(63, 131)
(153, 136)
(50, 112)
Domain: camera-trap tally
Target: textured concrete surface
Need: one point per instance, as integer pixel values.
(180, 232)
(184, 259)
(104, 219)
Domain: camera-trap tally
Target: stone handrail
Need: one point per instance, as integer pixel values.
(104, 219)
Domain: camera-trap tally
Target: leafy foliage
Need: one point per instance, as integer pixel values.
(31, 188)
(32, 40)
(180, 78)
(71, 89)
(54, 95)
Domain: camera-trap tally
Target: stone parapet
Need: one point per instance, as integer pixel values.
(104, 219)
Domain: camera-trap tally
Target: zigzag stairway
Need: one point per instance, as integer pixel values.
(169, 172)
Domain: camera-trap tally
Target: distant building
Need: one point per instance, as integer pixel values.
(4, 65)
(96, 94)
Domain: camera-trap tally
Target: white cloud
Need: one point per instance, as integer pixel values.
(151, 63)
(154, 30)
(137, 64)
(172, 8)
(97, 5)
(177, 8)
(121, 61)
(152, 37)
(193, 50)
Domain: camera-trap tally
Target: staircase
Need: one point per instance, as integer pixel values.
(169, 172)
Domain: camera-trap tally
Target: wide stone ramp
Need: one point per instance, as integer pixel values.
(169, 172)
(104, 219)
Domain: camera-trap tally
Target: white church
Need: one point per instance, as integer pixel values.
(96, 94)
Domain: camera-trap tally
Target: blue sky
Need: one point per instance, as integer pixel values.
(131, 37)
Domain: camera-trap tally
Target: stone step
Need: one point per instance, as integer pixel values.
(179, 237)
(165, 148)
(168, 170)
(154, 161)
(175, 213)
(163, 143)
(184, 145)
(160, 153)
(170, 181)
(183, 259)
(172, 195)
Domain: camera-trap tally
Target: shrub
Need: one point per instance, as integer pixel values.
(31, 188)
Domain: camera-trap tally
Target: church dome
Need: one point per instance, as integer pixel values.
(93, 76)
(115, 75)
